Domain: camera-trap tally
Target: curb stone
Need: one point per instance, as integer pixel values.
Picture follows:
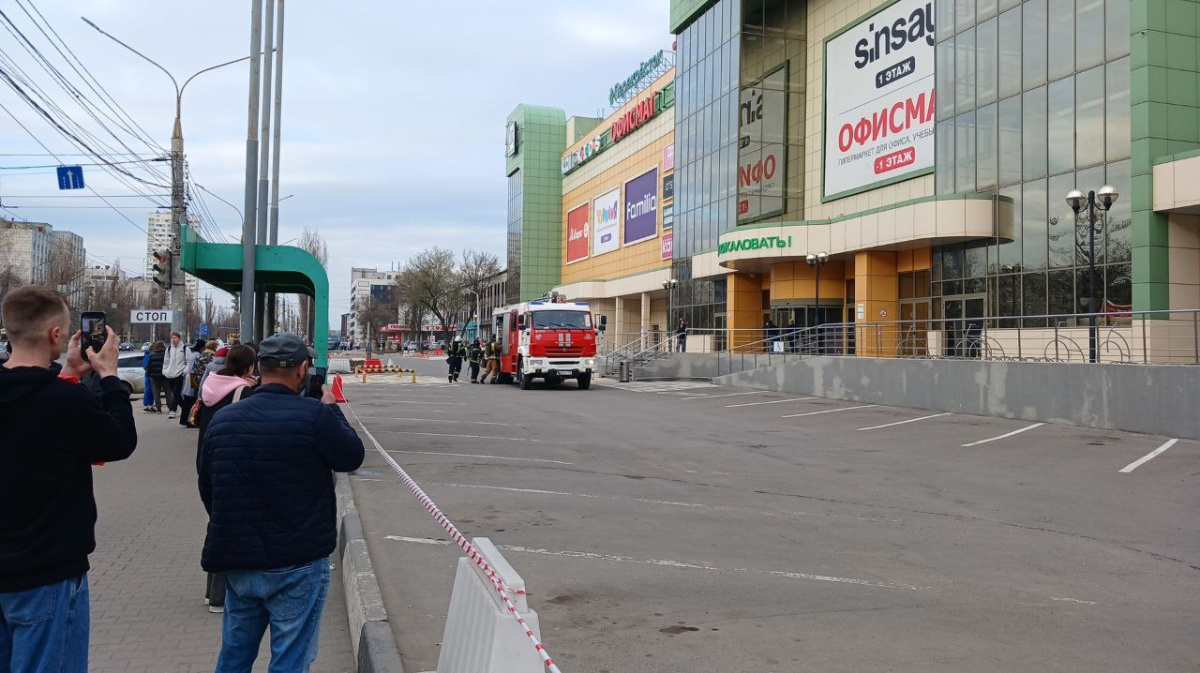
(371, 636)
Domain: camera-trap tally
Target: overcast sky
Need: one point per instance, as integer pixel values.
(393, 112)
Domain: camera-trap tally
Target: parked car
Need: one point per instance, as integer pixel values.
(126, 346)
(129, 370)
(410, 346)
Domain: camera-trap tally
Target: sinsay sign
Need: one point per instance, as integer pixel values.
(879, 114)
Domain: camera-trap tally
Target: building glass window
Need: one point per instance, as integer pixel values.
(1062, 39)
(1010, 140)
(986, 135)
(944, 54)
(944, 163)
(1009, 53)
(1089, 47)
(964, 156)
(985, 62)
(964, 71)
(1033, 44)
(1117, 111)
(515, 221)
(1061, 128)
(1033, 225)
(1116, 29)
(1089, 117)
(1033, 133)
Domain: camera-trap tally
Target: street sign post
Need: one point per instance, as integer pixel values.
(204, 331)
(70, 177)
(142, 316)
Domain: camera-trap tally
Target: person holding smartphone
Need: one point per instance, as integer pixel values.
(54, 430)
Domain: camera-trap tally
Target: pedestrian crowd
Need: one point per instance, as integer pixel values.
(269, 439)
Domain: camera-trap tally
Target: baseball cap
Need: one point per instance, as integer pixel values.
(284, 350)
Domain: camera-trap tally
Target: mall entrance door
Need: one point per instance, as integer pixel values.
(914, 328)
(963, 325)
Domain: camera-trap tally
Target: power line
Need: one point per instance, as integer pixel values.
(23, 168)
(39, 142)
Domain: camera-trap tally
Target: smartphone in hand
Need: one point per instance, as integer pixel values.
(94, 325)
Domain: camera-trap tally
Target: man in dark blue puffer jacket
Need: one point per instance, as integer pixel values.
(266, 478)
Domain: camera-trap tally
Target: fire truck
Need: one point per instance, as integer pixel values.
(550, 339)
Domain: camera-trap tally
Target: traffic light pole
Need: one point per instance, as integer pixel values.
(249, 307)
(178, 298)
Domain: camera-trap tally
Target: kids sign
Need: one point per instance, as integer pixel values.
(879, 113)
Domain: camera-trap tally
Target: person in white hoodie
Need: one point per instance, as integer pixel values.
(174, 369)
(219, 389)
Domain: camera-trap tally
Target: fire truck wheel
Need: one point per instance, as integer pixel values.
(523, 379)
(585, 381)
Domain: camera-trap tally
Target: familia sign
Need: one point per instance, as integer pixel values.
(634, 117)
(879, 115)
(641, 207)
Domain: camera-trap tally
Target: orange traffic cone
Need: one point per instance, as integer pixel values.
(339, 393)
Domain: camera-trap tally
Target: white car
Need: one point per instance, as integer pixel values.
(129, 370)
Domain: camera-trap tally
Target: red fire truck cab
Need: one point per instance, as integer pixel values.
(550, 339)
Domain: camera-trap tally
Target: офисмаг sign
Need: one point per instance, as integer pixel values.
(879, 113)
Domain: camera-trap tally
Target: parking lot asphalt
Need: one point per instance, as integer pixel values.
(680, 526)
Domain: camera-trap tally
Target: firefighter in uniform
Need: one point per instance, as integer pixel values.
(475, 357)
(454, 358)
(493, 361)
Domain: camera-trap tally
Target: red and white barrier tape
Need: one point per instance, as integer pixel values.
(501, 587)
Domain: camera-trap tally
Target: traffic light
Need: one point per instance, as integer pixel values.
(162, 268)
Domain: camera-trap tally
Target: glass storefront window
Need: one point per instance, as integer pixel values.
(1119, 232)
(1062, 39)
(1089, 47)
(1010, 252)
(1061, 225)
(986, 134)
(1033, 133)
(1009, 53)
(985, 62)
(1010, 140)
(986, 9)
(944, 163)
(964, 71)
(1089, 117)
(964, 14)
(944, 55)
(1033, 225)
(1117, 110)
(964, 156)
(1033, 51)
(1033, 298)
(1116, 29)
(1060, 292)
(1061, 128)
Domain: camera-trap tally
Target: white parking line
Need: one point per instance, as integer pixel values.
(683, 565)
(830, 411)
(443, 434)
(754, 404)
(477, 455)
(430, 420)
(713, 397)
(911, 420)
(1137, 463)
(1005, 435)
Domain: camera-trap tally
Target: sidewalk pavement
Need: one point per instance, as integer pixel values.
(147, 588)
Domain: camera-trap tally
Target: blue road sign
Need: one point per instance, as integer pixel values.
(70, 177)
(204, 331)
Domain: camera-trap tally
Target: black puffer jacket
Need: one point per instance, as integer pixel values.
(266, 478)
(154, 368)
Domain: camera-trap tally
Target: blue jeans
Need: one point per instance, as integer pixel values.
(46, 629)
(289, 600)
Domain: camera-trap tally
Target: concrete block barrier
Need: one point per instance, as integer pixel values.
(371, 636)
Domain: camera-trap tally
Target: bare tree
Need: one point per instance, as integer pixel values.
(373, 313)
(430, 279)
(312, 241)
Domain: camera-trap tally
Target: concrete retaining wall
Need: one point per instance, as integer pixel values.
(1138, 398)
(707, 365)
(370, 634)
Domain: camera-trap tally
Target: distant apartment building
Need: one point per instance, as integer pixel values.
(66, 265)
(25, 251)
(368, 284)
(158, 235)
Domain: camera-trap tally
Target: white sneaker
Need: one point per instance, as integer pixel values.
(216, 609)
(171, 415)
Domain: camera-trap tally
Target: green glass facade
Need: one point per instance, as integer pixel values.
(534, 174)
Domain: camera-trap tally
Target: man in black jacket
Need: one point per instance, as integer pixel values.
(53, 431)
(266, 479)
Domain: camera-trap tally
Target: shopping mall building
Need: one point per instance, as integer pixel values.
(924, 150)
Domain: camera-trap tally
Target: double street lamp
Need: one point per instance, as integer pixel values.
(816, 262)
(1077, 201)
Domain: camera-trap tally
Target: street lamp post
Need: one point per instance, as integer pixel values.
(816, 262)
(478, 311)
(1077, 201)
(669, 286)
(178, 299)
